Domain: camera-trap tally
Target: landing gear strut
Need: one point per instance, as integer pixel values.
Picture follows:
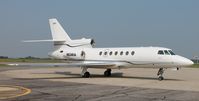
(160, 74)
(85, 73)
(107, 73)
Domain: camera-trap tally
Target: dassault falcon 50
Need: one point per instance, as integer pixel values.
(83, 54)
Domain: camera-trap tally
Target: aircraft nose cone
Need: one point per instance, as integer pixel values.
(182, 61)
(187, 62)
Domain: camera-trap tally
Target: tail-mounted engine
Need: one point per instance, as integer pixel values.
(81, 43)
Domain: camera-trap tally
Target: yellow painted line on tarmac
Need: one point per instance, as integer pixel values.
(23, 91)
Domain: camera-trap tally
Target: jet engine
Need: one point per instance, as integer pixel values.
(81, 43)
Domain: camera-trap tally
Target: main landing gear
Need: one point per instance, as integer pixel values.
(107, 73)
(85, 73)
(160, 74)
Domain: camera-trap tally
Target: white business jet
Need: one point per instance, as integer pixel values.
(83, 54)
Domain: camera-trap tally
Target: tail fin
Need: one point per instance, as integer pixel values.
(58, 33)
(61, 38)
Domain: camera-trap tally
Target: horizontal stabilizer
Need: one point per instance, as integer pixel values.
(43, 40)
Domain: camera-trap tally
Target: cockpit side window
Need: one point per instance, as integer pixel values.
(166, 52)
(172, 53)
(160, 52)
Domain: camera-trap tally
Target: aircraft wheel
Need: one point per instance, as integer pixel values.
(107, 73)
(86, 75)
(160, 78)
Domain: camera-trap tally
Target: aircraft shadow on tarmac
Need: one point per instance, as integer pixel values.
(75, 75)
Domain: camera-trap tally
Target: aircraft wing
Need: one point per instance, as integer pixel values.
(79, 64)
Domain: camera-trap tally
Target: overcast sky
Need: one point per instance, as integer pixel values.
(167, 23)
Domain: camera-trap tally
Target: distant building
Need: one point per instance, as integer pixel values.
(195, 60)
(31, 57)
(3, 57)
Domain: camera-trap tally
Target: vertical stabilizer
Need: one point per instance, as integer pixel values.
(58, 33)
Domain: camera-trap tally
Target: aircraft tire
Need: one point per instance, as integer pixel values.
(107, 73)
(160, 78)
(86, 75)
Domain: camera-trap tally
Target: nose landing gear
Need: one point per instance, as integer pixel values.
(160, 74)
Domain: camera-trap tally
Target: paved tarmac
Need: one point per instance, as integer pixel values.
(65, 84)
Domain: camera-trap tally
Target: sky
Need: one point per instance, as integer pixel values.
(111, 23)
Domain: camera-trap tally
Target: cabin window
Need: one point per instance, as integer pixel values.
(61, 51)
(132, 53)
(116, 52)
(121, 53)
(100, 53)
(105, 53)
(172, 53)
(127, 53)
(111, 53)
(160, 52)
(166, 52)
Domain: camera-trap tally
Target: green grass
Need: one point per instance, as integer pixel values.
(30, 60)
(2, 65)
(195, 66)
(3, 62)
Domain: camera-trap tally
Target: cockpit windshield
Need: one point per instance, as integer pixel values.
(172, 53)
(160, 52)
(165, 52)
